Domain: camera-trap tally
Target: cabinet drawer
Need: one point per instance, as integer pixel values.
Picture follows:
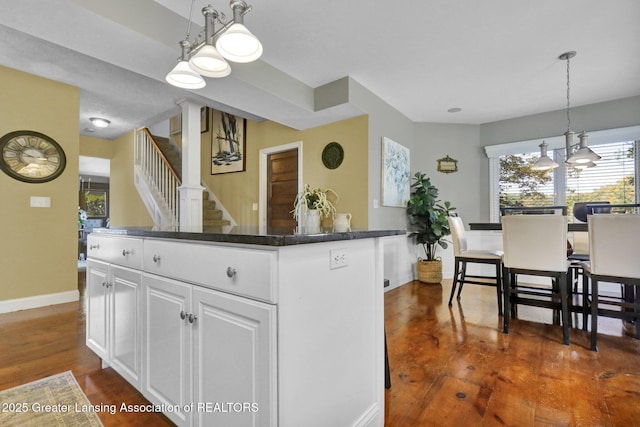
(246, 272)
(124, 251)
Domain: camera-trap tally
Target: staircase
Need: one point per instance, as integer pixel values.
(158, 174)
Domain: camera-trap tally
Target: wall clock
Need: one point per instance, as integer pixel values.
(30, 156)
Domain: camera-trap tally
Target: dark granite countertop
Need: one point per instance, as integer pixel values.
(248, 235)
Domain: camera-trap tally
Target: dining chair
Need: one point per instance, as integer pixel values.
(536, 245)
(614, 247)
(463, 255)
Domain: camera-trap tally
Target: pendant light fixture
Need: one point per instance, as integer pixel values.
(577, 155)
(233, 42)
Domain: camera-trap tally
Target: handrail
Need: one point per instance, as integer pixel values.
(162, 156)
(160, 190)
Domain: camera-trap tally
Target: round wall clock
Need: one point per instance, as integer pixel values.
(332, 155)
(31, 156)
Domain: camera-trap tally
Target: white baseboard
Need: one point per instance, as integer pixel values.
(17, 304)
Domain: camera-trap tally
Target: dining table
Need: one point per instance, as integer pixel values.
(496, 226)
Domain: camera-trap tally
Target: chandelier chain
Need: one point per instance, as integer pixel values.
(568, 98)
(188, 34)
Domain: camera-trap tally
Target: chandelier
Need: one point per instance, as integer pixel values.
(578, 155)
(208, 57)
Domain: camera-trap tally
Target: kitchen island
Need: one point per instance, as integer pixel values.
(243, 327)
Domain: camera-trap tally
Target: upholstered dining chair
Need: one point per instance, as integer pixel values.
(463, 256)
(614, 244)
(536, 245)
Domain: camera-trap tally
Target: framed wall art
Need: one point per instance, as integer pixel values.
(228, 143)
(204, 119)
(395, 174)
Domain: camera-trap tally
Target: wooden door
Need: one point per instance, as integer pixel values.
(282, 187)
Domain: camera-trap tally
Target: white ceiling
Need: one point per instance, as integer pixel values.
(494, 59)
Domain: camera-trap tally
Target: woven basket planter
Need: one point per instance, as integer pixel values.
(429, 271)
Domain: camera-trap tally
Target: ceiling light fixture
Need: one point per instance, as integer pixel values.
(578, 155)
(100, 122)
(233, 42)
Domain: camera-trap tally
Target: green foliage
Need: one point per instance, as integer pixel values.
(314, 198)
(517, 170)
(428, 216)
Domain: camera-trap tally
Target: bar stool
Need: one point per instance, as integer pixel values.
(536, 245)
(614, 247)
(463, 256)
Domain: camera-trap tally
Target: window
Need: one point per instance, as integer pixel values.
(515, 183)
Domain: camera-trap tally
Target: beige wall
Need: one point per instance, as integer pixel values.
(39, 246)
(96, 147)
(238, 191)
(126, 207)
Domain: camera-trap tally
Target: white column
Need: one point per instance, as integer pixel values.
(190, 190)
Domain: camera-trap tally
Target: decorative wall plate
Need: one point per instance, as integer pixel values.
(30, 156)
(332, 155)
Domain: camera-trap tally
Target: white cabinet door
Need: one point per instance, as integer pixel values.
(234, 360)
(167, 345)
(124, 327)
(97, 307)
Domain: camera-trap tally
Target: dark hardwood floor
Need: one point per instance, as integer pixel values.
(449, 367)
(454, 366)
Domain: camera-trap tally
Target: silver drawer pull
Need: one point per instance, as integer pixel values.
(183, 315)
(126, 252)
(94, 246)
(192, 317)
(156, 258)
(231, 272)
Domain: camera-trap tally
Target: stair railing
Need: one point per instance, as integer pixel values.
(161, 180)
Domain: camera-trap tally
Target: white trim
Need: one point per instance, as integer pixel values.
(26, 303)
(262, 171)
(607, 136)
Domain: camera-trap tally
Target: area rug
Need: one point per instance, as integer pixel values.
(57, 400)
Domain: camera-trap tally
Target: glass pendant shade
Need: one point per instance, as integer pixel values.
(183, 76)
(237, 44)
(208, 62)
(544, 162)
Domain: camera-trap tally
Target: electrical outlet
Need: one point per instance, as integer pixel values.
(338, 258)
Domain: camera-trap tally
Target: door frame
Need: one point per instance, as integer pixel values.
(262, 200)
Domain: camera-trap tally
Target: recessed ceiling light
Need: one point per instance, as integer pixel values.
(99, 122)
(454, 110)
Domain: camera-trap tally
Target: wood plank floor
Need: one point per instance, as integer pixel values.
(454, 367)
(449, 367)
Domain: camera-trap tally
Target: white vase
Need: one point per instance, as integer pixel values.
(342, 222)
(312, 221)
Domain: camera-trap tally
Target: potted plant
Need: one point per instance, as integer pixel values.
(429, 225)
(317, 206)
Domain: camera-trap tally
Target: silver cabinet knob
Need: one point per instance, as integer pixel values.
(156, 258)
(183, 315)
(231, 272)
(97, 246)
(104, 284)
(192, 317)
(126, 252)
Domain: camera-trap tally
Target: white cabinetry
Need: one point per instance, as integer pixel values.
(206, 348)
(113, 304)
(244, 335)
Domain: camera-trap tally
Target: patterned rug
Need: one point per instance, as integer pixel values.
(57, 400)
